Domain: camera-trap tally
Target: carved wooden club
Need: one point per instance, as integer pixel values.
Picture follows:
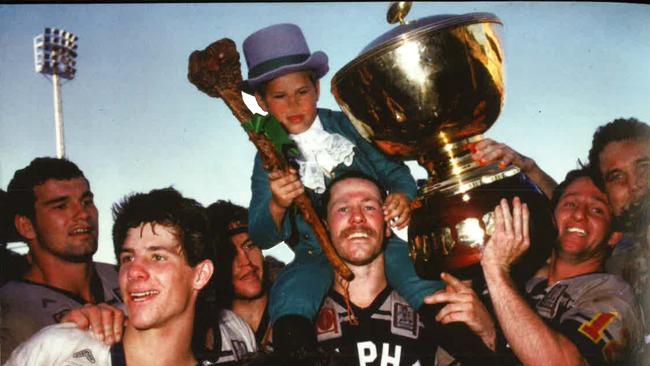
(216, 71)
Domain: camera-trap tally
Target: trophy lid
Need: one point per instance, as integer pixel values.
(417, 27)
(437, 76)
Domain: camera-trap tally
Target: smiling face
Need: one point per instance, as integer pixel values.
(625, 167)
(291, 99)
(158, 285)
(584, 219)
(356, 221)
(247, 268)
(65, 220)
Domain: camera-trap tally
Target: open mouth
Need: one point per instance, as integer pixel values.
(82, 231)
(142, 295)
(295, 119)
(358, 235)
(577, 230)
(252, 275)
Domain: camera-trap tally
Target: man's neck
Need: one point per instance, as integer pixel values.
(165, 346)
(368, 282)
(251, 311)
(68, 276)
(561, 268)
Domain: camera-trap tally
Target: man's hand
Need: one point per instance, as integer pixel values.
(106, 322)
(463, 305)
(285, 187)
(488, 151)
(397, 206)
(510, 238)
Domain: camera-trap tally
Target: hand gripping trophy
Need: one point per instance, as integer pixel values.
(426, 90)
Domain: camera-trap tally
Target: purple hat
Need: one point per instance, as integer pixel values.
(276, 51)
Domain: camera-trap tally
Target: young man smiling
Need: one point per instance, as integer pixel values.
(54, 212)
(572, 312)
(159, 240)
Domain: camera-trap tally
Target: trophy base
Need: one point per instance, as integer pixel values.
(450, 226)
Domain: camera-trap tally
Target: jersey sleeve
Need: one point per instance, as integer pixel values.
(604, 326)
(261, 227)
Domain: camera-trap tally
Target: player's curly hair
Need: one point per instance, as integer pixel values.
(620, 129)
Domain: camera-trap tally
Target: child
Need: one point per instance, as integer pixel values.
(284, 77)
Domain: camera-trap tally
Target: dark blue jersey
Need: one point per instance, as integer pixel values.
(389, 331)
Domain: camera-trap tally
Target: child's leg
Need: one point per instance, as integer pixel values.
(402, 277)
(301, 287)
(294, 302)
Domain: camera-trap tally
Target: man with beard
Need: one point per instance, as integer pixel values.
(241, 286)
(620, 153)
(159, 239)
(55, 214)
(365, 321)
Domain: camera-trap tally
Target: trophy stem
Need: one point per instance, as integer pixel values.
(449, 160)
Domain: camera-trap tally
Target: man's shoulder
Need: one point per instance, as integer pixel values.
(108, 275)
(597, 311)
(20, 296)
(228, 318)
(333, 119)
(602, 286)
(237, 338)
(106, 271)
(61, 344)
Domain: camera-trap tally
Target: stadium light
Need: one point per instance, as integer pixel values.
(55, 53)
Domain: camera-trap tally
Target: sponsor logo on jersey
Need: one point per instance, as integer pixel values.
(594, 329)
(85, 353)
(405, 320)
(328, 322)
(59, 315)
(239, 349)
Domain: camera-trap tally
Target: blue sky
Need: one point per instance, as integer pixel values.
(133, 122)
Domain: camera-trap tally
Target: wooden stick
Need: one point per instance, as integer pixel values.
(216, 71)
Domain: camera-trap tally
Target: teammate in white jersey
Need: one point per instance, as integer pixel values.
(54, 213)
(159, 239)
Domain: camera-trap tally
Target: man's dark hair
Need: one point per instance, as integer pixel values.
(226, 219)
(620, 129)
(165, 207)
(21, 188)
(584, 171)
(349, 175)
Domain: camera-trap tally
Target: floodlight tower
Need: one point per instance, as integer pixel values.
(55, 52)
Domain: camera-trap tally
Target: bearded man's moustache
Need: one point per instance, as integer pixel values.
(363, 229)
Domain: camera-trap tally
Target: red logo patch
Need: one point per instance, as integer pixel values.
(326, 321)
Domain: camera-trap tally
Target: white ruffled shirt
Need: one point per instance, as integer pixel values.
(321, 153)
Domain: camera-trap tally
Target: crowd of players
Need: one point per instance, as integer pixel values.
(192, 286)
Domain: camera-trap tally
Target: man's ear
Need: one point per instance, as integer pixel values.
(261, 102)
(614, 238)
(202, 274)
(25, 227)
(388, 232)
(317, 89)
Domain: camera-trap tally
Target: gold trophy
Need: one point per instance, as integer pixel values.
(426, 90)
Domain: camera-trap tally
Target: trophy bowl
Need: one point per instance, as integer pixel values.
(426, 90)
